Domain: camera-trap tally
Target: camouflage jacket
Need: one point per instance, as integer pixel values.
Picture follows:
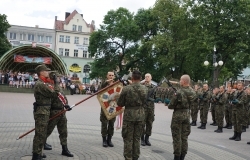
(206, 96)
(242, 100)
(183, 98)
(149, 103)
(221, 99)
(43, 93)
(56, 103)
(133, 97)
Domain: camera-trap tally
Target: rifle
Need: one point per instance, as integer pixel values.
(152, 91)
(123, 79)
(170, 85)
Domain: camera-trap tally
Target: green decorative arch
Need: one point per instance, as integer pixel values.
(7, 60)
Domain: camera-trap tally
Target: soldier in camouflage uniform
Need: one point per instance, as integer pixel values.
(245, 114)
(228, 109)
(157, 93)
(220, 102)
(180, 126)
(133, 98)
(213, 104)
(195, 107)
(43, 92)
(107, 126)
(58, 105)
(149, 108)
(238, 103)
(204, 99)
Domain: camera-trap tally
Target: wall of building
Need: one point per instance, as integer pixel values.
(18, 35)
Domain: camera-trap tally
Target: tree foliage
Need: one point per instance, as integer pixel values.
(176, 33)
(4, 43)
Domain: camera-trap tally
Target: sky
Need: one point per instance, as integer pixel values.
(43, 12)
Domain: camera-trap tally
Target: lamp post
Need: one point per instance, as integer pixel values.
(172, 70)
(215, 55)
(86, 69)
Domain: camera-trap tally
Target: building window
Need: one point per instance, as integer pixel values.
(85, 54)
(12, 35)
(40, 38)
(67, 40)
(61, 51)
(31, 37)
(74, 27)
(76, 40)
(75, 53)
(66, 53)
(22, 36)
(61, 39)
(48, 39)
(79, 28)
(85, 41)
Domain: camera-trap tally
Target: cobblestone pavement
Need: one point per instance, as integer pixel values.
(85, 140)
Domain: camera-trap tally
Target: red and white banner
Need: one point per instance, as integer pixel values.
(32, 59)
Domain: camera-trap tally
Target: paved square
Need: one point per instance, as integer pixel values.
(85, 140)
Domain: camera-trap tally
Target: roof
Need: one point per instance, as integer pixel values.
(59, 24)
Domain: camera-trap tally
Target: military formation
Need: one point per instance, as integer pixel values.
(139, 98)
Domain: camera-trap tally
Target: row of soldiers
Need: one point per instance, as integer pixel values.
(230, 103)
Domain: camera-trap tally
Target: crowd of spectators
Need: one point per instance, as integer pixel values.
(27, 80)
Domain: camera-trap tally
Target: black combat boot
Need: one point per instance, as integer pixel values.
(243, 128)
(47, 147)
(248, 142)
(66, 152)
(216, 129)
(247, 126)
(147, 140)
(104, 141)
(176, 157)
(182, 156)
(200, 126)
(238, 138)
(193, 123)
(219, 130)
(44, 155)
(143, 141)
(227, 125)
(36, 156)
(213, 123)
(203, 126)
(234, 136)
(109, 142)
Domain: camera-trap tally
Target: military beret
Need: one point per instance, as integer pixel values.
(41, 67)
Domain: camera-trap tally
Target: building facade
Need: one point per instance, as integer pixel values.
(18, 35)
(72, 41)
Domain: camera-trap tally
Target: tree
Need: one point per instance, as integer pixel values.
(222, 23)
(116, 42)
(4, 43)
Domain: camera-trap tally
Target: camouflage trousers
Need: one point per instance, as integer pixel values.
(41, 123)
(219, 115)
(61, 123)
(107, 126)
(131, 134)
(245, 117)
(194, 111)
(148, 122)
(212, 109)
(237, 119)
(204, 112)
(180, 128)
(228, 114)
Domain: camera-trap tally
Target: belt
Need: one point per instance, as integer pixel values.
(182, 110)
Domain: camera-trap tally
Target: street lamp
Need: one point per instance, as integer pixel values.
(86, 69)
(215, 64)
